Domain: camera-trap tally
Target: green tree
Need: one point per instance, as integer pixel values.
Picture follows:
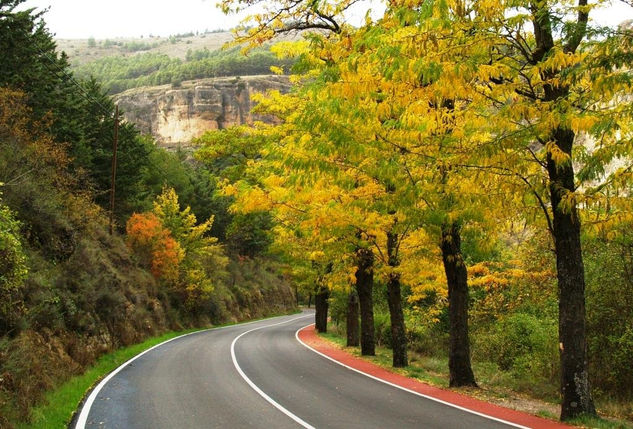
(13, 269)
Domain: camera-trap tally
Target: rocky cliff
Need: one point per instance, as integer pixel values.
(175, 115)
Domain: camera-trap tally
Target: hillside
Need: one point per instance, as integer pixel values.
(73, 287)
(123, 64)
(175, 116)
(82, 51)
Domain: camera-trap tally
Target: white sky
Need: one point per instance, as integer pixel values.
(71, 19)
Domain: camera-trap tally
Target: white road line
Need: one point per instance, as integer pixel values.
(404, 388)
(85, 410)
(254, 386)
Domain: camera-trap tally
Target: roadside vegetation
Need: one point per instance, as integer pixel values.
(70, 291)
(496, 385)
(453, 181)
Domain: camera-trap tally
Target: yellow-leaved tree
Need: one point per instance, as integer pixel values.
(470, 101)
(178, 249)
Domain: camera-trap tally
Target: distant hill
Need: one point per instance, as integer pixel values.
(122, 64)
(83, 51)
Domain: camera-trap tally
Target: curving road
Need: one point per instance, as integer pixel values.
(256, 375)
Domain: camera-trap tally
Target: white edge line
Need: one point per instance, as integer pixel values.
(404, 388)
(85, 409)
(254, 386)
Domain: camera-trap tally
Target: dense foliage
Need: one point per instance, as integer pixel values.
(460, 172)
(459, 156)
(69, 290)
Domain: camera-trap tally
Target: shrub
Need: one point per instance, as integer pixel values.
(382, 328)
(610, 312)
(522, 343)
(13, 268)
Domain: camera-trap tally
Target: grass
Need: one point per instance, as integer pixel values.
(600, 423)
(60, 404)
(496, 386)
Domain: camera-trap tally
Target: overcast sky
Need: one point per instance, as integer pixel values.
(70, 19)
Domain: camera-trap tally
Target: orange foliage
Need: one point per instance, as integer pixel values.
(154, 245)
(167, 256)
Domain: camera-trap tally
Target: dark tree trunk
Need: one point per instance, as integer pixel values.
(321, 307)
(364, 288)
(575, 387)
(353, 328)
(394, 297)
(565, 227)
(309, 300)
(461, 373)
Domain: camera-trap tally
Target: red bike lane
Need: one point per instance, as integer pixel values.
(310, 339)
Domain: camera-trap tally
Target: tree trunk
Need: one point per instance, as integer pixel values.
(321, 306)
(461, 373)
(364, 288)
(394, 297)
(352, 320)
(309, 300)
(575, 387)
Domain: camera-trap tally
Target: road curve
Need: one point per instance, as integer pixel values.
(257, 375)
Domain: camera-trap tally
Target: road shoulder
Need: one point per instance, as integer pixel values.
(309, 338)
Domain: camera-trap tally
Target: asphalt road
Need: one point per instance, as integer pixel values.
(257, 375)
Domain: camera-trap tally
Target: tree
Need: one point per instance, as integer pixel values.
(542, 92)
(248, 234)
(176, 247)
(78, 113)
(482, 89)
(155, 246)
(13, 269)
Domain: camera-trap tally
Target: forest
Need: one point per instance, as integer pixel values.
(118, 73)
(69, 290)
(451, 181)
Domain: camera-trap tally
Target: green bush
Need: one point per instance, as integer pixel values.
(248, 234)
(382, 328)
(426, 339)
(623, 359)
(13, 268)
(610, 313)
(338, 306)
(521, 343)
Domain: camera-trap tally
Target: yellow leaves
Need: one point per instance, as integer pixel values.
(558, 156)
(568, 202)
(559, 60)
(583, 123)
(487, 71)
(277, 70)
(305, 139)
(478, 270)
(229, 190)
(255, 199)
(317, 255)
(290, 49)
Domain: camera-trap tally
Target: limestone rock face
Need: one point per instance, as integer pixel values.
(174, 116)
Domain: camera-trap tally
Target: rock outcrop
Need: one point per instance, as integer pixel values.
(176, 115)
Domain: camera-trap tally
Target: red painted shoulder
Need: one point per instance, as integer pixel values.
(309, 337)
